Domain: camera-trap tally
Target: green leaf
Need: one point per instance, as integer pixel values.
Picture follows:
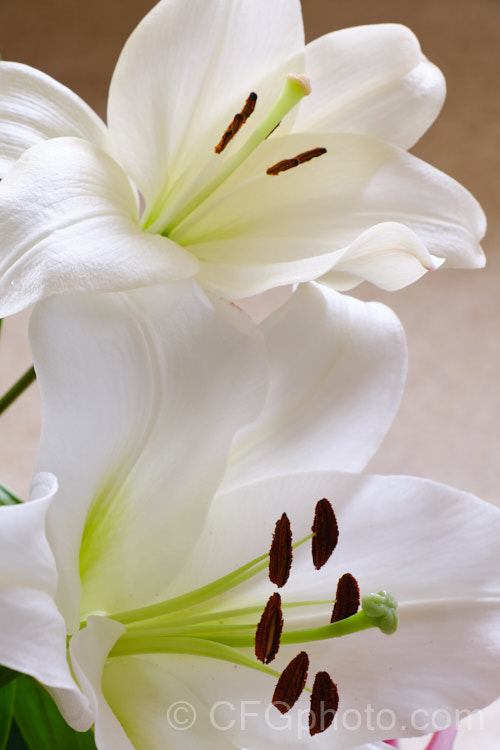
(15, 741)
(40, 723)
(7, 675)
(7, 694)
(7, 498)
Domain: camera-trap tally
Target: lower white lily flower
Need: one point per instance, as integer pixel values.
(155, 556)
(177, 184)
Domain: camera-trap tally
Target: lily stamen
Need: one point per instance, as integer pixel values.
(325, 533)
(324, 703)
(347, 599)
(238, 120)
(280, 554)
(286, 164)
(291, 683)
(268, 634)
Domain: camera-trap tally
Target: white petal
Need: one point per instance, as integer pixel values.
(139, 412)
(261, 224)
(33, 637)
(188, 702)
(337, 373)
(389, 255)
(158, 703)
(433, 547)
(371, 80)
(89, 649)
(262, 305)
(166, 111)
(35, 107)
(68, 219)
(239, 280)
(413, 537)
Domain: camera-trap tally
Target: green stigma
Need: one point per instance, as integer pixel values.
(382, 608)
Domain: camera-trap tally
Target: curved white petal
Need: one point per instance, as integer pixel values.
(337, 369)
(89, 649)
(186, 106)
(434, 548)
(260, 224)
(33, 635)
(34, 107)
(158, 704)
(68, 220)
(389, 255)
(371, 80)
(140, 407)
(221, 705)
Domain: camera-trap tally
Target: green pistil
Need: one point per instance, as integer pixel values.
(221, 640)
(295, 88)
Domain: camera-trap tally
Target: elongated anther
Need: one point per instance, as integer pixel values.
(326, 533)
(324, 703)
(280, 554)
(291, 683)
(286, 164)
(238, 120)
(347, 598)
(269, 629)
(282, 166)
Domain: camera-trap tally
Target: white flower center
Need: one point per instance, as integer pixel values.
(175, 215)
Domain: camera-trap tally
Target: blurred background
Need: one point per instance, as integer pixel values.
(448, 425)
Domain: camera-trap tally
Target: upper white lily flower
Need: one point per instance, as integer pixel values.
(190, 176)
(152, 553)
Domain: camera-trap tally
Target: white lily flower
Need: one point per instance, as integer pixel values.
(177, 185)
(140, 558)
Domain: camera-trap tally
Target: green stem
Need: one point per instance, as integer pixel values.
(7, 497)
(17, 389)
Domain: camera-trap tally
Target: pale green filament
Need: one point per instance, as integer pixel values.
(295, 88)
(201, 595)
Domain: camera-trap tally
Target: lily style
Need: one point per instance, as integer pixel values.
(271, 163)
(188, 526)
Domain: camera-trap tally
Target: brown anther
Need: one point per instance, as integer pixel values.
(347, 598)
(249, 105)
(268, 634)
(291, 683)
(312, 154)
(280, 554)
(238, 120)
(324, 703)
(326, 533)
(285, 164)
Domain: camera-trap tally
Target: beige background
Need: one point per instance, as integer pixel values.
(448, 426)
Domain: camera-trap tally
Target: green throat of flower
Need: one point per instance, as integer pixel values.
(176, 220)
(203, 623)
